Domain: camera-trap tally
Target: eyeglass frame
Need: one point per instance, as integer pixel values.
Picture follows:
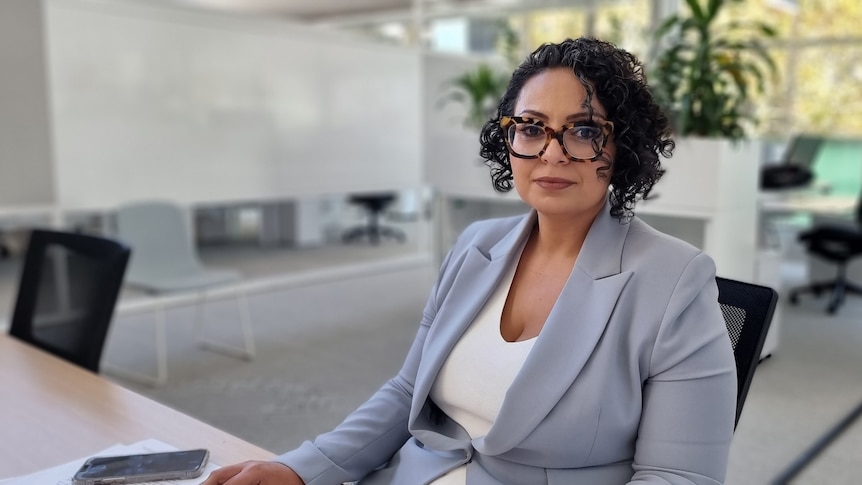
(607, 129)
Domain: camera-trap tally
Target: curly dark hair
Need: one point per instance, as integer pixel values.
(616, 78)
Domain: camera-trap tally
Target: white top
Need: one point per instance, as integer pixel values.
(477, 374)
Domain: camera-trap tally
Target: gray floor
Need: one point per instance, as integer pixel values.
(324, 348)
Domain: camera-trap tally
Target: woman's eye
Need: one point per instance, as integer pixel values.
(530, 130)
(585, 132)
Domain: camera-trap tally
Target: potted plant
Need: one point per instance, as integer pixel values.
(480, 90)
(704, 73)
(705, 69)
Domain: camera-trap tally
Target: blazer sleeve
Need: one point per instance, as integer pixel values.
(689, 397)
(371, 434)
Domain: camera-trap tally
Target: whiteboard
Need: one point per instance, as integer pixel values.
(197, 107)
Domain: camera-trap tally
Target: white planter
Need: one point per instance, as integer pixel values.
(706, 174)
(709, 197)
(453, 165)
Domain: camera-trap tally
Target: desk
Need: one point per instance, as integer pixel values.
(54, 412)
(807, 203)
(15, 220)
(778, 208)
(821, 208)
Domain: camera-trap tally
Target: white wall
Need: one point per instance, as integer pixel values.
(150, 102)
(26, 175)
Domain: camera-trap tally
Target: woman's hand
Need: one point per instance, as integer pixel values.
(254, 473)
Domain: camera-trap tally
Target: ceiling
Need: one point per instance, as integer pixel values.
(346, 12)
(306, 10)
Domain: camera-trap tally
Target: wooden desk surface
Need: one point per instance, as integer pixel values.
(53, 412)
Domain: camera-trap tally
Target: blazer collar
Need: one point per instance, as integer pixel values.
(600, 256)
(562, 349)
(566, 342)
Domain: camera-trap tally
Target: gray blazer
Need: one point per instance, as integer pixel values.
(631, 380)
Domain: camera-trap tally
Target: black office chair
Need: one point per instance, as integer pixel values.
(795, 167)
(838, 243)
(67, 292)
(747, 310)
(374, 204)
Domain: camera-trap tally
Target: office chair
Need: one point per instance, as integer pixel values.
(747, 310)
(374, 204)
(69, 286)
(794, 169)
(838, 243)
(166, 263)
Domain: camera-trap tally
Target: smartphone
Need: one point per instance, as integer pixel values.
(172, 465)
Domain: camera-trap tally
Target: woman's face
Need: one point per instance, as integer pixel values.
(553, 184)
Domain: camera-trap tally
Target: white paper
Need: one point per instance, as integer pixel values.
(62, 474)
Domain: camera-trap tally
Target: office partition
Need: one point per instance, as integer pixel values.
(26, 172)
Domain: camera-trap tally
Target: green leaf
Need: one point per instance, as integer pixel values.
(712, 8)
(696, 11)
(666, 26)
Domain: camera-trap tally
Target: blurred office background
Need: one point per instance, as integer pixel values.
(282, 126)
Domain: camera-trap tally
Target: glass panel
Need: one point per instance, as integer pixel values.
(829, 18)
(626, 24)
(837, 164)
(818, 53)
(760, 10)
(817, 92)
(827, 98)
(555, 25)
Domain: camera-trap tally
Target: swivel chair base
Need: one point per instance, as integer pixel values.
(374, 205)
(374, 234)
(838, 288)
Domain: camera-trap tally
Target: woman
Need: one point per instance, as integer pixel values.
(573, 345)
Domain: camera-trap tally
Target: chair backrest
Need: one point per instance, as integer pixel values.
(747, 310)
(160, 234)
(857, 211)
(803, 150)
(67, 293)
(796, 165)
(375, 202)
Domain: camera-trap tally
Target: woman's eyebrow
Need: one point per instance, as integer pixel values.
(533, 113)
(586, 115)
(572, 117)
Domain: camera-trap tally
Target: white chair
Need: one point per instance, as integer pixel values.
(165, 264)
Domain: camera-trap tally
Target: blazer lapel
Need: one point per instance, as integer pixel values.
(567, 340)
(477, 278)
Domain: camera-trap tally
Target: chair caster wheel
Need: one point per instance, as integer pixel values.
(794, 299)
